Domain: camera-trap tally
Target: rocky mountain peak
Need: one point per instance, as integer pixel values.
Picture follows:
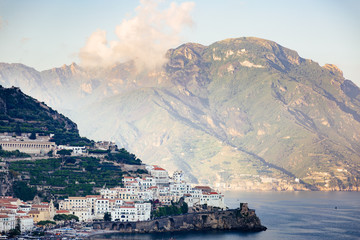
(333, 69)
(249, 111)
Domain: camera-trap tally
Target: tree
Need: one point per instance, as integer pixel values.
(14, 232)
(17, 130)
(60, 217)
(50, 153)
(46, 222)
(23, 191)
(64, 152)
(18, 224)
(184, 208)
(32, 136)
(65, 217)
(107, 217)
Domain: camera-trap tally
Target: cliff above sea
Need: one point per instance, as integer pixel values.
(240, 219)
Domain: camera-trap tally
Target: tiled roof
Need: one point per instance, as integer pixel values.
(92, 196)
(39, 206)
(62, 211)
(159, 169)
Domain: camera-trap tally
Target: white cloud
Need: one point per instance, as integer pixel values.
(143, 38)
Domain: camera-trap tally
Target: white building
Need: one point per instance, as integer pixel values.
(74, 204)
(101, 207)
(7, 222)
(91, 200)
(127, 179)
(127, 194)
(145, 195)
(124, 214)
(84, 215)
(75, 150)
(131, 202)
(131, 212)
(78, 206)
(25, 208)
(178, 176)
(26, 223)
(145, 183)
(161, 175)
(212, 199)
(109, 193)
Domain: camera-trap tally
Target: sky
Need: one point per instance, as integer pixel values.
(45, 34)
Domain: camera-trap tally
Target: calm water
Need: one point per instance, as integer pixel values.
(299, 215)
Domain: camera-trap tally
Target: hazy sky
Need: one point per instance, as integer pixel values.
(44, 34)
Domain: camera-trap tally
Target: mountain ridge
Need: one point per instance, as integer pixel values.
(248, 109)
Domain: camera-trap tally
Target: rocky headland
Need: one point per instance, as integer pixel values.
(240, 219)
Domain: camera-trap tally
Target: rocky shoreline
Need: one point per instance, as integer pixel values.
(240, 219)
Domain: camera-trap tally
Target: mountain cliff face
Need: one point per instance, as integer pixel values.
(241, 113)
(20, 113)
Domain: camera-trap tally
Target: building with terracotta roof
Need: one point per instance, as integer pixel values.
(66, 212)
(46, 211)
(79, 206)
(160, 175)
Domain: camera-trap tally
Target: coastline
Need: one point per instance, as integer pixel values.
(241, 219)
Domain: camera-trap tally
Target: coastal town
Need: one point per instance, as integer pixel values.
(136, 198)
(132, 203)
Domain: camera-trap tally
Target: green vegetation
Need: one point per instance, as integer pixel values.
(66, 217)
(13, 154)
(141, 171)
(248, 108)
(166, 211)
(14, 232)
(50, 153)
(23, 114)
(184, 208)
(46, 222)
(23, 191)
(71, 138)
(173, 209)
(123, 156)
(107, 217)
(32, 136)
(64, 152)
(71, 176)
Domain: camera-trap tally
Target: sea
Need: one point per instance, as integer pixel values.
(287, 215)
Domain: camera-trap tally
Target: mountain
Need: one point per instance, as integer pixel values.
(20, 113)
(242, 113)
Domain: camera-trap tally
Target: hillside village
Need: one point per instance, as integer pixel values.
(140, 199)
(140, 196)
